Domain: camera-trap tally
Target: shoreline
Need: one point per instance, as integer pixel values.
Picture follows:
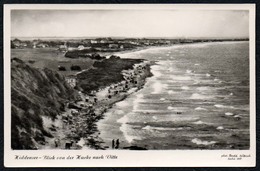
(165, 46)
(80, 126)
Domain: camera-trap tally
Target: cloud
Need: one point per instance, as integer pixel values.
(129, 23)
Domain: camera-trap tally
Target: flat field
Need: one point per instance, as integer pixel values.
(50, 58)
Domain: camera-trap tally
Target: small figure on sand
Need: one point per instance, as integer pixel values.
(113, 144)
(117, 144)
(57, 142)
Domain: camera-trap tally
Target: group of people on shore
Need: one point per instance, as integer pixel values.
(115, 144)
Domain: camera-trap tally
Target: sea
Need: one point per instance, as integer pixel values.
(197, 98)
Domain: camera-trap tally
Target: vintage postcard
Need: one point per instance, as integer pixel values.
(129, 85)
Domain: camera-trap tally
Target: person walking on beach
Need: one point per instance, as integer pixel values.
(57, 142)
(117, 143)
(113, 144)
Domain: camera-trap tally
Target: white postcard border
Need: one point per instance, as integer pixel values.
(150, 158)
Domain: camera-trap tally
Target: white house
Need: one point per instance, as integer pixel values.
(81, 47)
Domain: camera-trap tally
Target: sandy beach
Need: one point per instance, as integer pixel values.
(78, 124)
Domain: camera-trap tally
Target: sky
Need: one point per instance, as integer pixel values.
(129, 23)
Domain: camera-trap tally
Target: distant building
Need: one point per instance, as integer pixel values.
(103, 41)
(112, 46)
(81, 47)
(93, 41)
(63, 48)
(19, 44)
(41, 45)
(71, 48)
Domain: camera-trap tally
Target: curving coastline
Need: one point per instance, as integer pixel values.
(78, 124)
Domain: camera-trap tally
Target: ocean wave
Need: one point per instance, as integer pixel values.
(170, 92)
(181, 78)
(229, 114)
(223, 106)
(155, 117)
(200, 108)
(198, 96)
(123, 120)
(199, 122)
(170, 108)
(200, 142)
(220, 128)
(148, 127)
(125, 129)
(185, 88)
(203, 88)
(158, 87)
(188, 71)
(208, 75)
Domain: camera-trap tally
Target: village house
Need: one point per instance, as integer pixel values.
(63, 48)
(93, 41)
(19, 44)
(41, 45)
(113, 46)
(81, 47)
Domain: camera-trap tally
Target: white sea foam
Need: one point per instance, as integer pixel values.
(200, 108)
(154, 117)
(170, 108)
(125, 129)
(148, 127)
(222, 106)
(200, 142)
(136, 101)
(188, 71)
(198, 122)
(196, 64)
(198, 96)
(220, 127)
(158, 87)
(119, 112)
(237, 116)
(229, 114)
(162, 99)
(208, 75)
(185, 88)
(181, 78)
(219, 106)
(156, 73)
(123, 120)
(203, 88)
(231, 94)
(170, 92)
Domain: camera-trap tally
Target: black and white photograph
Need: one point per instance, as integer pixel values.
(129, 79)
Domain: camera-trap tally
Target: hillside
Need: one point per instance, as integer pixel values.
(35, 94)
